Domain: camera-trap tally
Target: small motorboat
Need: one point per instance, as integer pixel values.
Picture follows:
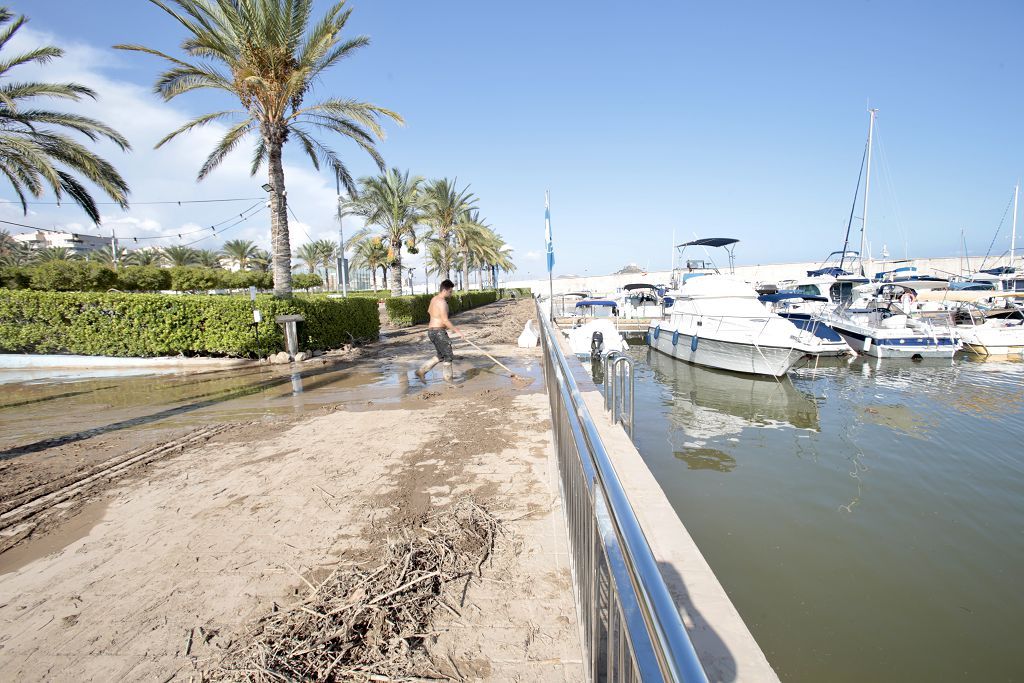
(595, 338)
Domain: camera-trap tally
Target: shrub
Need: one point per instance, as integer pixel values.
(306, 281)
(412, 310)
(190, 279)
(143, 279)
(243, 279)
(71, 276)
(14, 277)
(119, 324)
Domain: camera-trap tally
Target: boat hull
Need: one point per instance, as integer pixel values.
(773, 361)
(863, 341)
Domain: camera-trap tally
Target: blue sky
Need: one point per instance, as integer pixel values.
(741, 119)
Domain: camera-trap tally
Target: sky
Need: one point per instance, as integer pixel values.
(647, 121)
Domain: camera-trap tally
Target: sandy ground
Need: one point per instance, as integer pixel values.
(150, 575)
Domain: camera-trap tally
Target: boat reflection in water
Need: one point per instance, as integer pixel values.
(708, 405)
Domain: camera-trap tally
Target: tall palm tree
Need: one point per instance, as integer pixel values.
(269, 55)
(444, 204)
(208, 258)
(309, 255)
(370, 252)
(467, 232)
(394, 203)
(35, 152)
(144, 257)
(56, 254)
(180, 255)
(239, 252)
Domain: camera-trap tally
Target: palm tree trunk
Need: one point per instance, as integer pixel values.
(396, 277)
(373, 273)
(280, 247)
(465, 270)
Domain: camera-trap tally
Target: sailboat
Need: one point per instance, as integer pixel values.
(881, 328)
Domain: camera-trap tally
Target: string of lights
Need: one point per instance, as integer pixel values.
(179, 202)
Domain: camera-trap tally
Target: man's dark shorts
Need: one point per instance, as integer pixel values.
(443, 344)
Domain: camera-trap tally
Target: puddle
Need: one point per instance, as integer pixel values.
(35, 416)
(66, 533)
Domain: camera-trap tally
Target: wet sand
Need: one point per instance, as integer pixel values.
(149, 576)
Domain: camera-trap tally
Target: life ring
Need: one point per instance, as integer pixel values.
(675, 337)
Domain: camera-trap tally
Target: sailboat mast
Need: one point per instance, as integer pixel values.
(867, 188)
(1013, 232)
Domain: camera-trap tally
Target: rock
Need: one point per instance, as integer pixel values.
(281, 358)
(301, 356)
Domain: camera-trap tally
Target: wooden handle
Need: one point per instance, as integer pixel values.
(488, 355)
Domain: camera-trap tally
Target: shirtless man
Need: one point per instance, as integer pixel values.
(437, 330)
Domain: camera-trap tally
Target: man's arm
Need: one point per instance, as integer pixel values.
(447, 322)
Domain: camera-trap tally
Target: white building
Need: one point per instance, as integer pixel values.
(78, 244)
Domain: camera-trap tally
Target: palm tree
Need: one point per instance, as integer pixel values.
(261, 260)
(56, 254)
(144, 257)
(35, 152)
(327, 250)
(108, 255)
(468, 232)
(239, 252)
(13, 252)
(444, 204)
(394, 203)
(208, 258)
(370, 252)
(309, 255)
(268, 55)
(180, 255)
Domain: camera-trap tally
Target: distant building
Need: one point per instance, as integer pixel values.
(78, 244)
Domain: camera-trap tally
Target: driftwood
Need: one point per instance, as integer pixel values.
(370, 624)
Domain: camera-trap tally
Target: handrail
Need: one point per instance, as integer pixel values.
(615, 389)
(659, 646)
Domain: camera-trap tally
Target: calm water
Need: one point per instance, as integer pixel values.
(867, 520)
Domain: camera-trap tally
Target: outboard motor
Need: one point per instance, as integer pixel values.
(596, 343)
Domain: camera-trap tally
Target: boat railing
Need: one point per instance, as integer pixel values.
(630, 627)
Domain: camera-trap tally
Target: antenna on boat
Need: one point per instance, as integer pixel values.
(867, 187)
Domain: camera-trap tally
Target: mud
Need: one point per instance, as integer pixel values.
(148, 575)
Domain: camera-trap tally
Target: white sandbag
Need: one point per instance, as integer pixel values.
(529, 338)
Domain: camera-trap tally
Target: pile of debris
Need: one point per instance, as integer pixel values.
(371, 623)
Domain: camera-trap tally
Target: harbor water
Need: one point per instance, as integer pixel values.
(867, 519)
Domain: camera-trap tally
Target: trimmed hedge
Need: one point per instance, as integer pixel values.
(412, 310)
(115, 324)
(84, 276)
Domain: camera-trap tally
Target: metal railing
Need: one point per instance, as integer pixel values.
(630, 628)
(618, 368)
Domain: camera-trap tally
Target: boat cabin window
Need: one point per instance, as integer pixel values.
(811, 290)
(841, 292)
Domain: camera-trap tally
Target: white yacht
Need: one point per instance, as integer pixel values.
(883, 329)
(981, 334)
(718, 322)
(640, 300)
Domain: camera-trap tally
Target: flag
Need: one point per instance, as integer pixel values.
(547, 233)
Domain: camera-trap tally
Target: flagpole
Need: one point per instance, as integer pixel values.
(547, 232)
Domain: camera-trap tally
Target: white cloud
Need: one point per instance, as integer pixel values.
(533, 255)
(167, 173)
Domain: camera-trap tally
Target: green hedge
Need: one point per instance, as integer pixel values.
(115, 324)
(412, 310)
(84, 276)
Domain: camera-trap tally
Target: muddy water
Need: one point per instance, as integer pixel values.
(866, 519)
(45, 412)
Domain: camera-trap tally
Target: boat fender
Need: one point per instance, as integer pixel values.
(657, 332)
(867, 344)
(675, 337)
(693, 343)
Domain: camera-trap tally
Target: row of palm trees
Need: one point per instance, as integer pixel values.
(238, 254)
(266, 56)
(405, 212)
